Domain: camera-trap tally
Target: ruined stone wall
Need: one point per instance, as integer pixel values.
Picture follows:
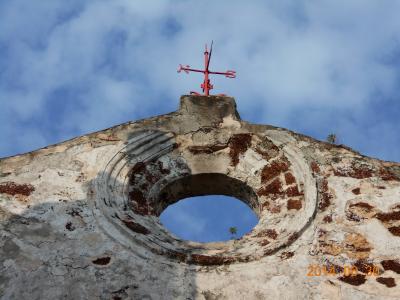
(79, 220)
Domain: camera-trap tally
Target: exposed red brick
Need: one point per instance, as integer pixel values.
(361, 172)
(362, 205)
(356, 191)
(294, 204)
(360, 249)
(387, 175)
(289, 178)
(324, 185)
(137, 196)
(139, 202)
(13, 188)
(271, 207)
(136, 227)
(324, 195)
(274, 169)
(395, 230)
(356, 280)
(364, 266)
(207, 260)
(102, 260)
(274, 209)
(264, 154)
(152, 177)
(110, 137)
(207, 149)
(274, 188)
(325, 201)
(327, 219)
(386, 217)
(139, 167)
(265, 205)
(271, 233)
(388, 281)
(293, 191)
(263, 242)
(238, 143)
(391, 265)
(315, 168)
(151, 171)
(355, 171)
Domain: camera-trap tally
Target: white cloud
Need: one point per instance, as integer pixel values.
(120, 64)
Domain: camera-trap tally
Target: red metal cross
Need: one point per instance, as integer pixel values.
(206, 85)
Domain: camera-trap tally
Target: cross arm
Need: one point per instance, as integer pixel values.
(229, 73)
(187, 69)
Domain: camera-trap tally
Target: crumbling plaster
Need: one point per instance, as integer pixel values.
(79, 220)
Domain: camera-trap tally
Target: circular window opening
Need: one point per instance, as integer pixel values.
(210, 218)
(217, 207)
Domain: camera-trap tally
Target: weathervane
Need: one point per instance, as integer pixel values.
(206, 85)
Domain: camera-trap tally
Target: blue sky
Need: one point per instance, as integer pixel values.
(208, 218)
(68, 68)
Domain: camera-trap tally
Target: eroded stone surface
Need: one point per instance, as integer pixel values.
(79, 220)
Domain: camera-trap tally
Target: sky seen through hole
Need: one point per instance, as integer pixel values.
(208, 218)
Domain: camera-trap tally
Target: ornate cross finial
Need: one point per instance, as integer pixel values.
(206, 85)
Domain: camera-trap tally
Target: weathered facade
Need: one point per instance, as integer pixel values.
(79, 220)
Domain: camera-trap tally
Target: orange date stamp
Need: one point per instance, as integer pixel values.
(346, 270)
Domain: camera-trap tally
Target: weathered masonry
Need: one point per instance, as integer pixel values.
(79, 220)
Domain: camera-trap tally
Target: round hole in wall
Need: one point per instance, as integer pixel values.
(133, 193)
(207, 207)
(209, 218)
